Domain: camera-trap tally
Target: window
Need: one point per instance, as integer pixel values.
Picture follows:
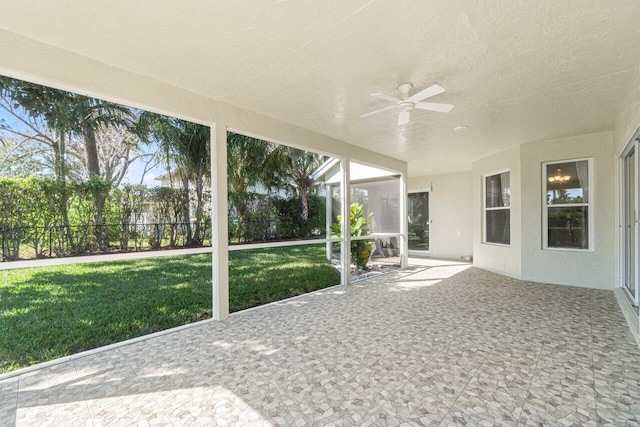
(497, 212)
(567, 216)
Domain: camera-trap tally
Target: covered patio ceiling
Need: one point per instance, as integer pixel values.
(516, 70)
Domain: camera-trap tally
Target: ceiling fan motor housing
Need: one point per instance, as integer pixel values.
(404, 106)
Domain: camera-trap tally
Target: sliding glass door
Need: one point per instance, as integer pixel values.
(630, 222)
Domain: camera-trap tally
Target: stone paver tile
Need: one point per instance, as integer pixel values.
(8, 400)
(51, 396)
(388, 351)
(561, 393)
(132, 409)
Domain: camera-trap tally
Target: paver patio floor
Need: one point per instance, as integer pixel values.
(437, 344)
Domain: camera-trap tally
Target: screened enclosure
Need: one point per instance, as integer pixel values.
(376, 201)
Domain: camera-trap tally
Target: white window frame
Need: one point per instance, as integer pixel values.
(485, 208)
(590, 206)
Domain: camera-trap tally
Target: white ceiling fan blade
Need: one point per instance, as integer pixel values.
(403, 118)
(432, 90)
(378, 111)
(434, 106)
(386, 97)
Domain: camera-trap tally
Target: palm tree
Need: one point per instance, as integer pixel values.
(193, 146)
(187, 146)
(296, 174)
(250, 161)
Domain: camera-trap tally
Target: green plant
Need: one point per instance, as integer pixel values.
(360, 249)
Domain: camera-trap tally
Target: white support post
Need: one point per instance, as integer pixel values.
(220, 223)
(404, 223)
(345, 226)
(328, 213)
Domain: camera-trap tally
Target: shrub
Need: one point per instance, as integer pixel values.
(360, 249)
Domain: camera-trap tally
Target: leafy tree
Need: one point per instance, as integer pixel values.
(170, 205)
(69, 114)
(23, 157)
(28, 138)
(128, 208)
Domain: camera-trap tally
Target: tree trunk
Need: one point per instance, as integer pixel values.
(61, 174)
(59, 158)
(197, 233)
(64, 211)
(91, 150)
(304, 198)
(187, 210)
(93, 169)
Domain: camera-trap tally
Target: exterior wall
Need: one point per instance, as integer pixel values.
(450, 213)
(593, 269)
(525, 258)
(628, 118)
(497, 258)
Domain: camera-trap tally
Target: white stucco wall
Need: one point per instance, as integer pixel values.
(524, 258)
(450, 212)
(628, 118)
(581, 268)
(497, 258)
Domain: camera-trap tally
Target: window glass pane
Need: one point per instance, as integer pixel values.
(419, 221)
(568, 227)
(497, 190)
(568, 182)
(498, 226)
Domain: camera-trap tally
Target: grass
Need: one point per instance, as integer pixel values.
(51, 312)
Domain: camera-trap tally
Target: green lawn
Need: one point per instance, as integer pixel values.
(50, 312)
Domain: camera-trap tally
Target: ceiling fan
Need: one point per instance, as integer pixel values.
(406, 103)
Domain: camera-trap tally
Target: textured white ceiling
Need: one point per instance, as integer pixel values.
(516, 70)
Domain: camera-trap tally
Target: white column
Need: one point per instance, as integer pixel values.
(404, 223)
(345, 196)
(220, 222)
(328, 212)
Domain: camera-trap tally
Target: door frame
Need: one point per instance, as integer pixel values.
(419, 252)
(633, 144)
